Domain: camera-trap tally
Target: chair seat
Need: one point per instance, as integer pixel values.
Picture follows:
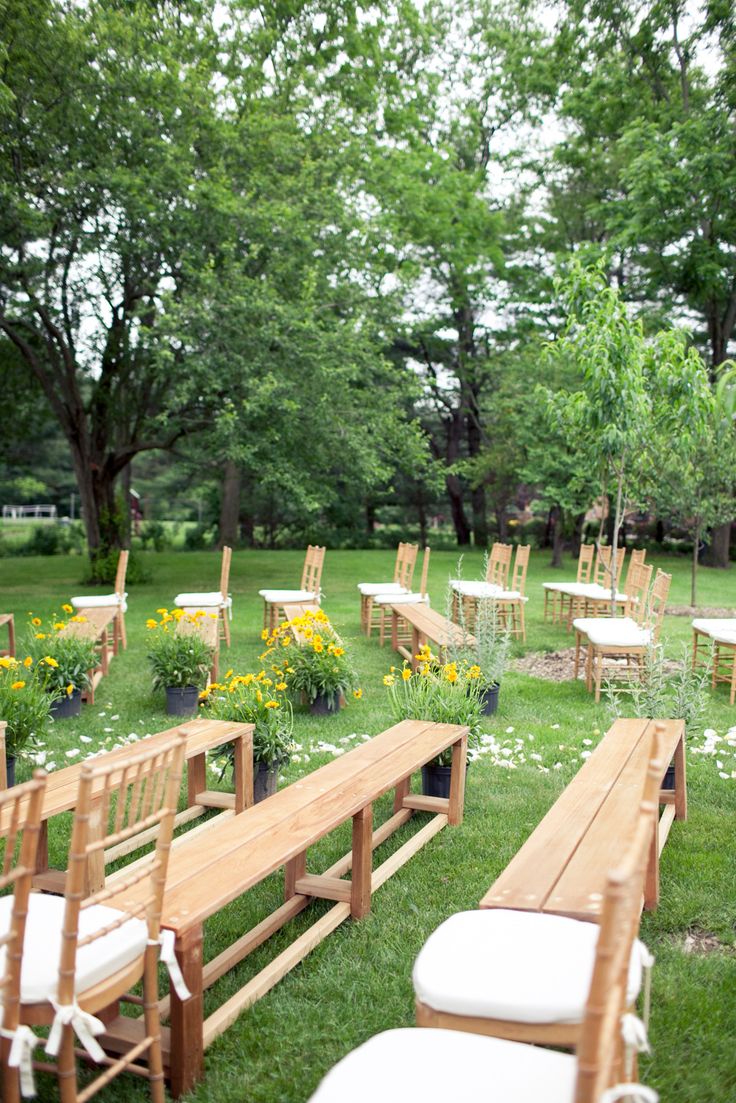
(448, 1066)
(578, 589)
(402, 599)
(510, 595)
(287, 596)
(476, 589)
(721, 629)
(99, 601)
(370, 589)
(615, 632)
(42, 946)
(212, 599)
(521, 967)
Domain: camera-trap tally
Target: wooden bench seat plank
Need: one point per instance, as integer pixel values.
(272, 833)
(431, 624)
(531, 876)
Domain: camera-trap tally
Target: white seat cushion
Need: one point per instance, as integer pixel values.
(722, 629)
(617, 632)
(42, 946)
(98, 601)
(213, 599)
(281, 596)
(370, 589)
(448, 1066)
(510, 595)
(512, 965)
(476, 589)
(402, 599)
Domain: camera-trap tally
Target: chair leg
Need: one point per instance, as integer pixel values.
(733, 677)
(578, 640)
(153, 1025)
(225, 626)
(66, 1067)
(368, 616)
(123, 636)
(598, 676)
(10, 1077)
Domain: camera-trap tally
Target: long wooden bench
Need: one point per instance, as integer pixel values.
(426, 626)
(203, 735)
(562, 866)
(210, 869)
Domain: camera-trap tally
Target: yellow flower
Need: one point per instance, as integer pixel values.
(357, 694)
(406, 673)
(338, 651)
(151, 623)
(28, 661)
(49, 661)
(229, 674)
(17, 685)
(162, 612)
(259, 696)
(36, 621)
(77, 619)
(68, 608)
(204, 694)
(388, 679)
(265, 634)
(318, 646)
(451, 675)
(177, 614)
(70, 689)
(6, 662)
(58, 625)
(286, 641)
(281, 685)
(474, 671)
(308, 633)
(40, 635)
(272, 705)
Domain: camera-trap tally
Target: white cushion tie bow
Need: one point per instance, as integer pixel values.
(631, 1093)
(169, 959)
(22, 1044)
(84, 1025)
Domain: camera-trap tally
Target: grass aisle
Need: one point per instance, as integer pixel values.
(359, 980)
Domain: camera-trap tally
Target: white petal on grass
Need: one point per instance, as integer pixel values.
(73, 752)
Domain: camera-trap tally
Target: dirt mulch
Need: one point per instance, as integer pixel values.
(699, 611)
(559, 666)
(702, 942)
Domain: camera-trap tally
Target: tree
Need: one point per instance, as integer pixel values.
(634, 391)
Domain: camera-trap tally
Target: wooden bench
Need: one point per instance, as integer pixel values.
(207, 627)
(203, 735)
(7, 620)
(93, 624)
(562, 866)
(426, 626)
(210, 869)
(294, 610)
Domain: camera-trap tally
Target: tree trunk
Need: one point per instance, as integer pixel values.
(370, 518)
(126, 521)
(557, 516)
(718, 551)
(480, 522)
(422, 517)
(618, 518)
(457, 509)
(229, 505)
(247, 530)
(549, 528)
(577, 534)
(503, 523)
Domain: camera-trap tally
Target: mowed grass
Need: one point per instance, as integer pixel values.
(359, 980)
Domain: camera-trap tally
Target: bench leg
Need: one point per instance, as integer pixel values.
(196, 778)
(401, 791)
(457, 782)
(294, 870)
(243, 772)
(651, 883)
(360, 893)
(186, 1062)
(680, 782)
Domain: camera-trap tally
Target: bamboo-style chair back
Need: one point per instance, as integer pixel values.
(312, 572)
(636, 559)
(405, 563)
(499, 564)
(121, 572)
(586, 559)
(602, 574)
(599, 1049)
(657, 601)
(521, 562)
(425, 572)
(20, 814)
(227, 554)
(399, 558)
(137, 795)
(637, 587)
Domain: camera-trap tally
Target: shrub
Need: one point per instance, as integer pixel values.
(260, 700)
(24, 704)
(177, 659)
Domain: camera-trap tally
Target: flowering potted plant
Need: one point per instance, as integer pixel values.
(24, 706)
(63, 664)
(319, 666)
(446, 693)
(179, 662)
(258, 699)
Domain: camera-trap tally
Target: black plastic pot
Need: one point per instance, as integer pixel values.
(436, 780)
(489, 697)
(181, 700)
(10, 768)
(67, 706)
(669, 777)
(325, 704)
(265, 781)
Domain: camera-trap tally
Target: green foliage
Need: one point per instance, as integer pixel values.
(24, 704)
(662, 693)
(176, 659)
(102, 570)
(62, 663)
(319, 665)
(260, 700)
(491, 643)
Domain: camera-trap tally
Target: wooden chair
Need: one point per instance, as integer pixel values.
(597, 603)
(496, 578)
(635, 609)
(21, 806)
(274, 600)
(560, 591)
(206, 625)
(118, 599)
(622, 639)
(714, 647)
(406, 557)
(217, 600)
(509, 602)
(384, 603)
(525, 975)
(600, 586)
(435, 1065)
(84, 952)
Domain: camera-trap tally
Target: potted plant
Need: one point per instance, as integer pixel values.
(179, 662)
(319, 666)
(447, 693)
(261, 700)
(487, 649)
(63, 664)
(24, 706)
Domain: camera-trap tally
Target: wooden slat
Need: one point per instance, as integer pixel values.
(326, 888)
(420, 803)
(431, 624)
(665, 823)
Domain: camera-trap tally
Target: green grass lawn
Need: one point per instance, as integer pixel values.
(359, 980)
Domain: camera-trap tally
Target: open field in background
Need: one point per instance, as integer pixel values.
(359, 980)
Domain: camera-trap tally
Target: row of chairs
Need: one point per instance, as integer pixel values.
(66, 961)
(489, 980)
